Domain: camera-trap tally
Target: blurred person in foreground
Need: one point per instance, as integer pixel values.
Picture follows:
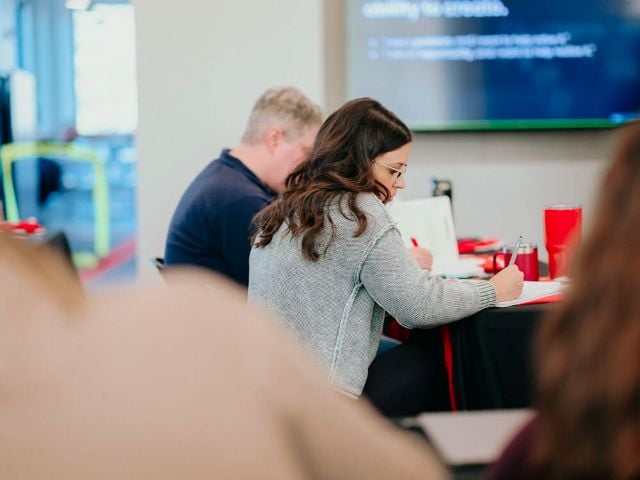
(329, 260)
(211, 227)
(131, 385)
(588, 350)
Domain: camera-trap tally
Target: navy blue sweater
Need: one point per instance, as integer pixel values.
(211, 226)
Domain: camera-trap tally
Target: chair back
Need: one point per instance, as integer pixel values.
(158, 262)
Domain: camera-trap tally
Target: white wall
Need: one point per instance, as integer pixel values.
(501, 181)
(201, 66)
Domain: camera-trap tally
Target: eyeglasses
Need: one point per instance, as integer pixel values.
(398, 172)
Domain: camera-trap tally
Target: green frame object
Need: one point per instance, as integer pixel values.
(13, 152)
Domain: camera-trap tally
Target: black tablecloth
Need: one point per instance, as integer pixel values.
(492, 366)
(492, 354)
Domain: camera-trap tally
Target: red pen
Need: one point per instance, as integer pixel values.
(414, 240)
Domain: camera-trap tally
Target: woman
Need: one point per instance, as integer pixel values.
(588, 351)
(328, 259)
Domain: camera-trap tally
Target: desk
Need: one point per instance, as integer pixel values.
(469, 441)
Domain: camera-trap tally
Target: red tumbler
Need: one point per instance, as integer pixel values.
(527, 260)
(562, 229)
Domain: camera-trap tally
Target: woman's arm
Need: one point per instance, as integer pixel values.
(415, 297)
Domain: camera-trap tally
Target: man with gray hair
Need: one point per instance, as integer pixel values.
(212, 225)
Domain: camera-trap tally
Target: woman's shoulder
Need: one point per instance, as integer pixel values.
(369, 204)
(374, 208)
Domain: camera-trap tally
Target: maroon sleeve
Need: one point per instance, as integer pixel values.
(512, 463)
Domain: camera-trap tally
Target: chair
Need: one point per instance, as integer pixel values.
(158, 262)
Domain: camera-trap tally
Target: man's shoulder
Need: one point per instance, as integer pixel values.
(220, 184)
(217, 175)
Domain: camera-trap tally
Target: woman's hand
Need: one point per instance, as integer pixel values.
(422, 256)
(508, 283)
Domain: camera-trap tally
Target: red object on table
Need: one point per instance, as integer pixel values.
(526, 260)
(475, 245)
(29, 226)
(562, 229)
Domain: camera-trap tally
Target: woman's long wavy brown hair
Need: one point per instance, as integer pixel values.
(340, 164)
(588, 352)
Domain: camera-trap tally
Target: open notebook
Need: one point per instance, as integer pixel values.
(537, 292)
(430, 221)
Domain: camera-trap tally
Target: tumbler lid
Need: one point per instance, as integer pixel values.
(563, 206)
(524, 248)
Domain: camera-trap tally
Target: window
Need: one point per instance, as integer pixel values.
(105, 70)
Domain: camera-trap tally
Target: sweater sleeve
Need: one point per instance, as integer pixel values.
(415, 297)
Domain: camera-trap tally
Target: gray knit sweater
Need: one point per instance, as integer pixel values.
(336, 305)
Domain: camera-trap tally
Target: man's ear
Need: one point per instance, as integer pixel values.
(273, 137)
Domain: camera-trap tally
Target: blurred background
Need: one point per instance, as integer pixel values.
(128, 101)
(69, 106)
